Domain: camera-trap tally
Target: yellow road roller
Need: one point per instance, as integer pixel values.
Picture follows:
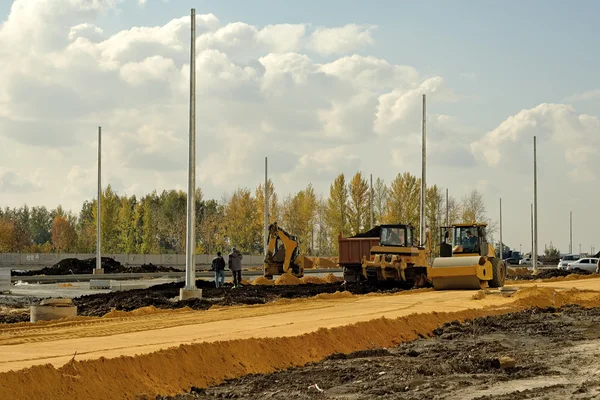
(466, 260)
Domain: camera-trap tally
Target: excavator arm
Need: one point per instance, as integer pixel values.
(289, 244)
(283, 259)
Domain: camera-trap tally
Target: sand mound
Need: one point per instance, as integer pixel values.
(333, 296)
(480, 295)
(331, 278)
(261, 280)
(325, 262)
(312, 279)
(141, 311)
(287, 279)
(546, 297)
(246, 282)
(65, 285)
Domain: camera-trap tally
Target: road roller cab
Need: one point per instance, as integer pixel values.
(466, 259)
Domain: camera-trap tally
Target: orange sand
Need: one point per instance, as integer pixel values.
(312, 279)
(287, 279)
(65, 285)
(167, 353)
(261, 280)
(331, 278)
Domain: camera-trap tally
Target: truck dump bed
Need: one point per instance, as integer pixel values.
(352, 249)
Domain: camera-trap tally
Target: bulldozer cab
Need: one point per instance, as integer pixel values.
(463, 239)
(396, 235)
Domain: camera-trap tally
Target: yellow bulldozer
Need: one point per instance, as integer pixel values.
(283, 255)
(396, 257)
(466, 259)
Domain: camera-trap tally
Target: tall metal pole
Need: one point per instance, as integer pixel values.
(535, 233)
(423, 173)
(501, 245)
(371, 203)
(266, 209)
(571, 232)
(190, 248)
(447, 210)
(99, 214)
(532, 232)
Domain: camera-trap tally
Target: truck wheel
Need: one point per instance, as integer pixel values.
(352, 274)
(498, 273)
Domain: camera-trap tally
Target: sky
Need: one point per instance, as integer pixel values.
(320, 88)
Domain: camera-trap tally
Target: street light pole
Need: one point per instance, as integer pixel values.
(190, 290)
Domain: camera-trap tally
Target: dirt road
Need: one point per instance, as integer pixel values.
(555, 351)
(294, 328)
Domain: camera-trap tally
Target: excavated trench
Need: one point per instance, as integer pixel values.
(552, 347)
(555, 353)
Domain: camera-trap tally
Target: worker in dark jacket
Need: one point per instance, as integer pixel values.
(235, 265)
(218, 265)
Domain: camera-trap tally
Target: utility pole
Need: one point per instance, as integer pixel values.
(371, 203)
(98, 270)
(571, 232)
(501, 245)
(266, 210)
(535, 219)
(190, 290)
(532, 232)
(423, 173)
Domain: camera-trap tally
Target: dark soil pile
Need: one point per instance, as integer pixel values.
(550, 273)
(75, 266)
(161, 296)
(549, 347)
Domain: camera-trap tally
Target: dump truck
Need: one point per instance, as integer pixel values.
(283, 255)
(351, 251)
(396, 257)
(466, 259)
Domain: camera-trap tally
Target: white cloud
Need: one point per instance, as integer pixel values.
(590, 95)
(345, 39)
(565, 131)
(300, 96)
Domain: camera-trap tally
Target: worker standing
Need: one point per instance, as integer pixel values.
(218, 265)
(235, 265)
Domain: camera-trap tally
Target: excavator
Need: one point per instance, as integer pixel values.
(283, 255)
(466, 259)
(396, 257)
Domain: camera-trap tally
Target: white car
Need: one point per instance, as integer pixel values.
(563, 262)
(588, 264)
(525, 261)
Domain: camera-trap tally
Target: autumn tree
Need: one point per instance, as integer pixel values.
(337, 209)
(323, 245)
(127, 227)
(64, 235)
(241, 227)
(212, 231)
(358, 209)
(273, 202)
(433, 212)
(403, 203)
(7, 235)
(473, 208)
(380, 198)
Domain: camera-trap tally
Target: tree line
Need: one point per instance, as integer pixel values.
(156, 223)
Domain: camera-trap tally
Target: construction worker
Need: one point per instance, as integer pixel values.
(218, 265)
(235, 265)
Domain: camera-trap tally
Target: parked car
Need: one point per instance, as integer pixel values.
(511, 261)
(525, 261)
(563, 262)
(589, 264)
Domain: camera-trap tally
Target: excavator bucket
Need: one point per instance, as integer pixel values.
(460, 273)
